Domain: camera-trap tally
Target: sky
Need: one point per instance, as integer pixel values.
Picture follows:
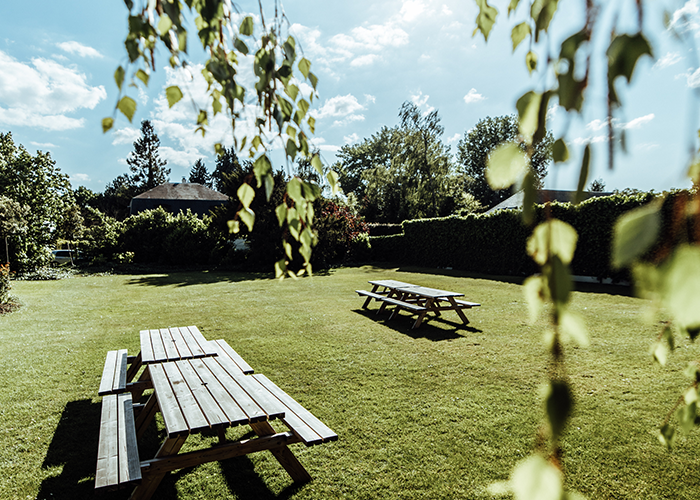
(57, 61)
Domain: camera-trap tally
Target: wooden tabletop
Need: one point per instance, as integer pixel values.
(391, 283)
(203, 393)
(173, 344)
(429, 292)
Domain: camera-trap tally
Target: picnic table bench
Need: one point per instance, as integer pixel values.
(415, 299)
(193, 394)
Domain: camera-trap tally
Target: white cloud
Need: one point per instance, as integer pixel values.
(411, 10)
(125, 135)
(42, 94)
(598, 125)
(351, 139)
(693, 79)
(669, 59)
(369, 98)
(454, 138)
(686, 18)
(79, 49)
(364, 60)
(473, 96)
(446, 10)
(638, 122)
(43, 144)
(80, 177)
(421, 101)
(339, 106)
(179, 158)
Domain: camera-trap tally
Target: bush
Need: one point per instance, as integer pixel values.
(337, 229)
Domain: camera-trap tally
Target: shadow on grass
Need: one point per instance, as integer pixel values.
(403, 324)
(180, 279)
(74, 447)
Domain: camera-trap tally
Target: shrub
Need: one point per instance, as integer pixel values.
(336, 228)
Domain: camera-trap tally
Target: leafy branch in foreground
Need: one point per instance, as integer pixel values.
(665, 264)
(280, 108)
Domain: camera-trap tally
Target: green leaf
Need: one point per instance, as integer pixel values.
(202, 118)
(560, 153)
(519, 33)
(164, 24)
(680, 290)
(317, 164)
(559, 403)
(485, 19)
(550, 238)
(240, 46)
(314, 81)
(535, 291)
(512, 6)
(583, 174)
(634, 233)
(234, 227)
(173, 94)
(295, 190)
(127, 106)
(528, 107)
(246, 195)
(623, 54)
(542, 12)
(246, 28)
(291, 148)
(292, 91)
(333, 181)
(247, 216)
(143, 76)
(558, 281)
(505, 165)
(534, 478)
(667, 436)
(312, 124)
(269, 186)
(119, 77)
(107, 124)
(531, 61)
(529, 197)
(305, 67)
(261, 167)
(280, 268)
(286, 107)
(573, 326)
(281, 212)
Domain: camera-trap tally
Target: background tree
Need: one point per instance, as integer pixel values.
(199, 174)
(227, 164)
(401, 173)
(12, 221)
(115, 199)
(35, 182)
(477, 144)
(597, 186)
(144, 162)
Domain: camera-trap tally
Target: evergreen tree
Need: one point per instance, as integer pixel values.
(199, 174)
(148, 169)
(227, 165)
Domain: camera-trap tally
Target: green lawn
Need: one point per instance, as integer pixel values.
(438, 412)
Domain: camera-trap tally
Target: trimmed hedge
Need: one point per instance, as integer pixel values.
(495, 243)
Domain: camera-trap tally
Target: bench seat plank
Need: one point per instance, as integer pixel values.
(466, 303)
(114, 373)
(390, 300)
(117, 453)
(300, 420)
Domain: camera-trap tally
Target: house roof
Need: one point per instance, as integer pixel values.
(182, 191)
(543, 196)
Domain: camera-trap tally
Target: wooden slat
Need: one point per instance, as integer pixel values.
(107, 380)
(206, 346)
(188, 404)
(212, 412)
(120, 373)
(158, 348)
(229, 406)
(107, 473)
(192, 342)
(129, 464)
(223, 349)
(183, 349)
(270, 405)
(146, 347)
(171, 352)
(298, 418)
(241, 397)
(175, 422)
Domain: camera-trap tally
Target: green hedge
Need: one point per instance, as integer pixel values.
(495, 243)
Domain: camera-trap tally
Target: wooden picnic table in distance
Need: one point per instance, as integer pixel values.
(416, 299)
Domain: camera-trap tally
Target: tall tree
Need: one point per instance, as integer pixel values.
(199, 174)
(473, 152)
(404, 172)
(144, 162)
(227, 165)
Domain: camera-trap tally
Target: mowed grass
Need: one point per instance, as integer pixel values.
(436, 413)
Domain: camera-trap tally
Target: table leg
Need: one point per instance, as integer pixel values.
(150, 482)
(421, 315)
(283, 454)
(134, 368)
(146, 415)
(369, 299)
(459, 310)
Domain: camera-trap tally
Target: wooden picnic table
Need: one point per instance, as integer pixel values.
(415, 299)
(194, 394)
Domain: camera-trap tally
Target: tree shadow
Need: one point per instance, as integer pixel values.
(189, 278)
(404, 323)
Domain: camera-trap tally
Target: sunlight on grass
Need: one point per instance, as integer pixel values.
(438, 412)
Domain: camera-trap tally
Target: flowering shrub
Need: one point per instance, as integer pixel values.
(338, 228)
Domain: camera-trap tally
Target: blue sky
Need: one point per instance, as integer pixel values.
(57, 61)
